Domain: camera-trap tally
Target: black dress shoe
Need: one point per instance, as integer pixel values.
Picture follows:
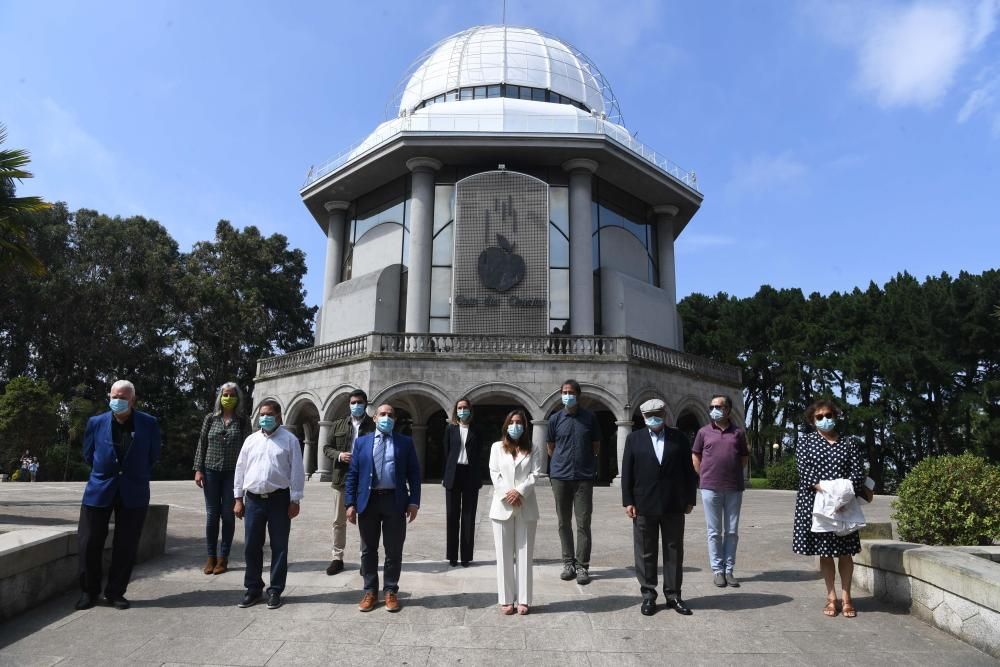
(453, 563)
(679, 606)
(466, 563)
(334, 567)
(273, 600)
(250, 598)
(86, 601)
(118, 602)
(648, 607)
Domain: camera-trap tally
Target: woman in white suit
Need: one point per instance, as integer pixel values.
(514, 512)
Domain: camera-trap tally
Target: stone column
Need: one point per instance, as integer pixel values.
(624, 428)
(581, 272)
(336, 226)
(419, 434)
(418, 284)
(324, 466)
(539, 429)
(665, 216)
(308, 447)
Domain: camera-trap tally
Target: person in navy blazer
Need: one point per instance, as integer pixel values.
(382, 491)
(121, 446)
(658, 488)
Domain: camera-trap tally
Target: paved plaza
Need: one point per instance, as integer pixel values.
(449, 615)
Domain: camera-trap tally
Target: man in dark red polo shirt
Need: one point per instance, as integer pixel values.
(720, 455)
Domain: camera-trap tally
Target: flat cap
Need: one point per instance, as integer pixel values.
(652, 405)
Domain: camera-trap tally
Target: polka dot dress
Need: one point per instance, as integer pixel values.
(818, 460)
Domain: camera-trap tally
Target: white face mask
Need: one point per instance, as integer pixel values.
(715, 414)
(826, 425)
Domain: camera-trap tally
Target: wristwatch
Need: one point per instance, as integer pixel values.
(295, 502)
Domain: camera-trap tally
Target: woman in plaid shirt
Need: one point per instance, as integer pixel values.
(222, 436)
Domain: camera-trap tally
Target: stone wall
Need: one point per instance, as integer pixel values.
(39, 563)
(954, 589)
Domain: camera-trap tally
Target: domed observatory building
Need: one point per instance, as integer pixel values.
(502, 231)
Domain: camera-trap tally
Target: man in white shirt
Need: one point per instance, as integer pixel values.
(344, 432)
(269, 474)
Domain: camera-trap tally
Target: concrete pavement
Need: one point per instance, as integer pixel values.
(449, 615)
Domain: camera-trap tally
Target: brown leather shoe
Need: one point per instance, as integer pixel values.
(221, 565)
(368, 601)
(391, 601)
(209, 565)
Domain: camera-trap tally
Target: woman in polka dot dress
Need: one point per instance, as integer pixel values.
(824, 455)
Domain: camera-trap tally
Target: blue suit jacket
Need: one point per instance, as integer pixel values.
(110, 477)
(358, 485)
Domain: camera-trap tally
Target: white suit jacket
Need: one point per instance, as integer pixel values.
(521, 476)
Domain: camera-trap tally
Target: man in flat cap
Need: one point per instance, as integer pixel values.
(659, 485)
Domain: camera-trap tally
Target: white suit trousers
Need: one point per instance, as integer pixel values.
(515, 544)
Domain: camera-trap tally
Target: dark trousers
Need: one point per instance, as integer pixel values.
(460, 507)
(218, 488)
(381, 518)
(574, 497)
(93, 533)
(647, 531)
(270, 514)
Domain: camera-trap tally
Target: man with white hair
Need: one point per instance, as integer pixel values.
(658, 488)
(121, 446)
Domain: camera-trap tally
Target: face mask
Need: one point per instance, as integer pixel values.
(715, 414)
(118, 405)
(654, 422)
(229, 402)
(267, 422)
(464, 414)
(826, 425)
(385, 424)
(357, 409)
(569, 400)
(515, 431)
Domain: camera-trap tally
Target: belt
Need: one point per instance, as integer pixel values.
(265, 496)
(383, 492)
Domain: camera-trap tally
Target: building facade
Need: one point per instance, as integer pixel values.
(501, 232)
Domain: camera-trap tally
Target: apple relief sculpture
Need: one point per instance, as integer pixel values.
(499, 268)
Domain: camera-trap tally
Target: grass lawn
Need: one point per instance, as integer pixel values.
(758, 483)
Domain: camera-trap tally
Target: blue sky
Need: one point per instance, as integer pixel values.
(835, 143)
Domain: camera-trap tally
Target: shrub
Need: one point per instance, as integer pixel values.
(783, 474)
(950, 500)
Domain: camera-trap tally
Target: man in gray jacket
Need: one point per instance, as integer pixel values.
(343, 434)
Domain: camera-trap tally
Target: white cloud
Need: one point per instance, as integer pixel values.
(908, 54)
(763, 173)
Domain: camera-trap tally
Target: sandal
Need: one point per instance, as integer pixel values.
(830, 609)
(506, 609)
(522, 609)
(849, 610)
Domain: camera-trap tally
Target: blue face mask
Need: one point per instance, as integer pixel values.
(569, 400)
(357, 409)
(654, 422)
(515, 431)
(267, 422)
(118, 405)
(715, 414)
(385, 424)
(464, 414)
(826, 424)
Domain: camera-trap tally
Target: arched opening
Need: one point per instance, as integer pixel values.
(302, 419)
(688, 424)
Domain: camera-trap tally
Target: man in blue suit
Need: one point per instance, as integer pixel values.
(121, 446)
(382, 492)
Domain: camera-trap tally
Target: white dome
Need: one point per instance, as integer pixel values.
(497, 54)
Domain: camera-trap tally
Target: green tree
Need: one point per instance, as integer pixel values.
(29, 420)
(14, 246)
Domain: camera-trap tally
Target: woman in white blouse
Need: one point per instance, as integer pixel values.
(514, 466)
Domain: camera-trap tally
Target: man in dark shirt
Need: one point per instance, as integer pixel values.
(574, 441)
(720, 455)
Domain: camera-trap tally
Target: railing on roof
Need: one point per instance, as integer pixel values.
(473, 346)
(503, 123)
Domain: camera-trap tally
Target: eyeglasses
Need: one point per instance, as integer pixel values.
(825, 415)
(712, 406)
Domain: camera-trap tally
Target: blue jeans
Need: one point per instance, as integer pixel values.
(266, 514)
(722, 519)
(218, 488)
